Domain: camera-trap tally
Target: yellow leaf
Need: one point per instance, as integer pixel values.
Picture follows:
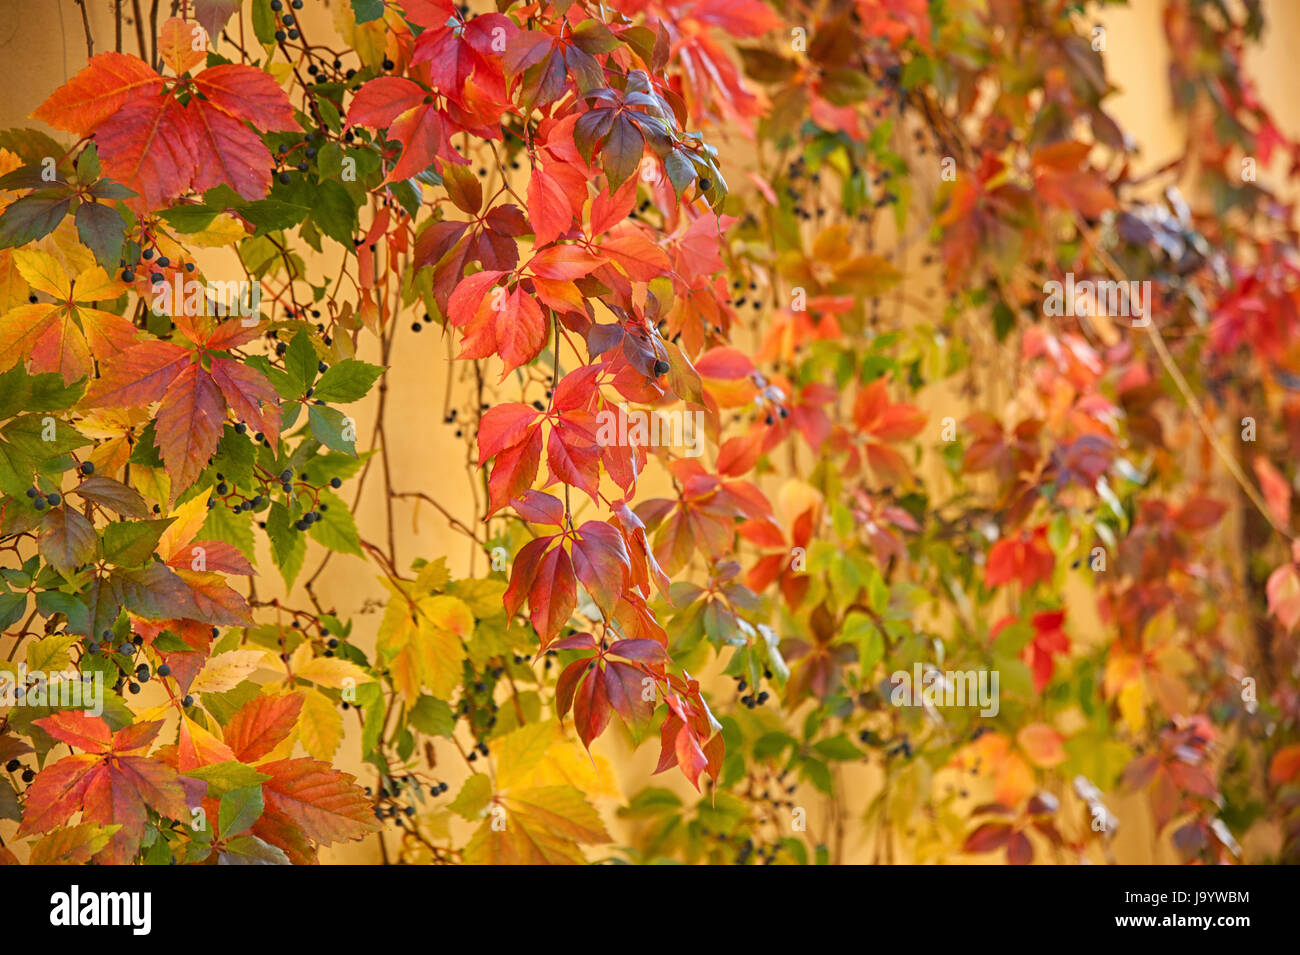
(796, 497)
(50, 654)
(546, 826)
(1121, 669)
(153, 483)
(1133, 705)
(95, 285)
(13, 287)
(422, 653)
(433, 576)
(369, 40)
(224, 230)
(227, 670)
(518, 752)
(64, 244)
(334, 672)
(1015, 781)
(474, 797)
(159, 712)
(320, 727)
(449, 613)
(42, 272)
(567, 763)
(189, 518)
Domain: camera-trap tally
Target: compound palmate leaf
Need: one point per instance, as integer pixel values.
(112, 783)
(544, 826)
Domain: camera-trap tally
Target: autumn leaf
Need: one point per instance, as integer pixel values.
(111, 783)
(544, 826)
(324, 803)
(194, 400)
(68, 335)
(261, 724)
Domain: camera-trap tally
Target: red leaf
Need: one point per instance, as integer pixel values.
(572, 452)
(1022, 557)
(990, 836)
(110, 785)
(261, 724)
(515, 470)
(324, 803)
(238, 157)
(250, 396)
(601, 562)
(101, 88)
(641, 650)
(139, 377)
(248, 94)
(150, 147)
(503, 427)
(539, 507)
(553, 595)
(591, 708)
(548, 207)
(189, 424)
(423, 136)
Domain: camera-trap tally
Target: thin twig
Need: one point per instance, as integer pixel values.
(85, 25)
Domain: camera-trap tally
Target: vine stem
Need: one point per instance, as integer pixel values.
(1180, 380)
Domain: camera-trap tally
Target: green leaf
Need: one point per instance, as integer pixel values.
(347, 381)
(264, 22)
(101, 229)
(300, 360)
(250, 850)
(474, 797)
(272, 215)
(188, 219)
(50, 654)
(12, 606)
(861, 631)
(240, 808)
(332, 428)
(132, 543)
(50, 602)
(223, 524)
(367, 10)
(837, 748)
(334, 212)
(432, 716)
(227, 777)
(31, 218)
(288, 544)
(336, 529)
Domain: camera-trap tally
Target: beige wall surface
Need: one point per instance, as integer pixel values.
(42, 44)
